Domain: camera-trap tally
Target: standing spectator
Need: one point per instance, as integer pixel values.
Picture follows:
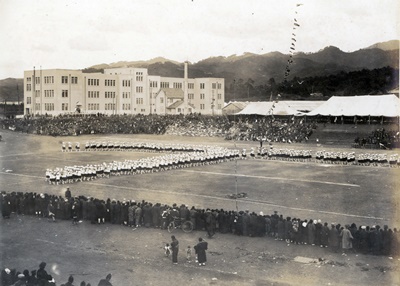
(42, 275)
(325, 235)
(346, 238)
(106, 281)
(200, 250)
(211, 222)
(175, 249)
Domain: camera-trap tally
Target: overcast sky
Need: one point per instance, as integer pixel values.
(78, 34)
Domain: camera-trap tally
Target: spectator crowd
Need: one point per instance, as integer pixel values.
(40, 277)
(366, 239)
(242, 127)
(380, 138)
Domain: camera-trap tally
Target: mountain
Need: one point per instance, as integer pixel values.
(257, 69)
(386, 46)
(11, 89)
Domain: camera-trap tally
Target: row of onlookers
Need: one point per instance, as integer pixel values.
(372, 239)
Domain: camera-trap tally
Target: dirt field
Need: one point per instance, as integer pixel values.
(332, 193)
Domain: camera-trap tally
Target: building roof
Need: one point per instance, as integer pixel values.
(363, 105)
(269, 108)
(173, 93)
(304, 105)
(238, 104)
(175, 104)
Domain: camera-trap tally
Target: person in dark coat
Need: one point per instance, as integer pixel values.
(175, 249)
(333, 239)
(42, 275)
(200, 250)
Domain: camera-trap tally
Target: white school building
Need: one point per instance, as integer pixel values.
(120, 91)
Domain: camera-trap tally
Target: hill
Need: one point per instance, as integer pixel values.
(255, 70)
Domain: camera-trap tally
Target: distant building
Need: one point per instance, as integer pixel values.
(120, 91)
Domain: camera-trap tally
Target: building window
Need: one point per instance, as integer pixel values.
(164, 84)
(126, 82)
(37, 106)
(190, 95)
(37, 93)
(202, 106)
(49, 106)
(219, 86)
(109, 106)
(202, 85)
(64, 106)
(109, 82)
(94, 81)
(110, 94)
(139, 76)
(37, 80)
(28, 79)
(93, 94)
(190, 85)
(153, 84)
(219, 96)
(161, 99)
(64, 79)
(177, 85)
(93, 106)
(28, 100)
(143, 110)
(64, 93)
(202, 96)
(74, 80)
(48, 79)
(49, 93)
(126, 95)
(28, 87)
(139, 100)
(139, 89)
(126, 106)
(214, 85)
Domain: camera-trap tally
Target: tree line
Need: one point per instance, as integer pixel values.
(362, 82)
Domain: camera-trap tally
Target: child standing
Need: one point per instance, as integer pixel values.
(189, 254)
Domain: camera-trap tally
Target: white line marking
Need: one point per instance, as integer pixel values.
(22, 175)
(232, 200)
(275, 178)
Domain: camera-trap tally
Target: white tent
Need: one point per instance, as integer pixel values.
(363, 105)
(269, 108)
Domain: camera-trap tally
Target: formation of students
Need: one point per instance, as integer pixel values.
(368, 239)
(185, 156)
(176, 157)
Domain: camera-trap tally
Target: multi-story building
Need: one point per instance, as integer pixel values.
(120, 91)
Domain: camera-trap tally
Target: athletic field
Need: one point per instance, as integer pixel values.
(307, 190)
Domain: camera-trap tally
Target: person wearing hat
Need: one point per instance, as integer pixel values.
(200, 250)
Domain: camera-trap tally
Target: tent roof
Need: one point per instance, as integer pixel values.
(304, 105)
(269, 108)
(364, 105)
